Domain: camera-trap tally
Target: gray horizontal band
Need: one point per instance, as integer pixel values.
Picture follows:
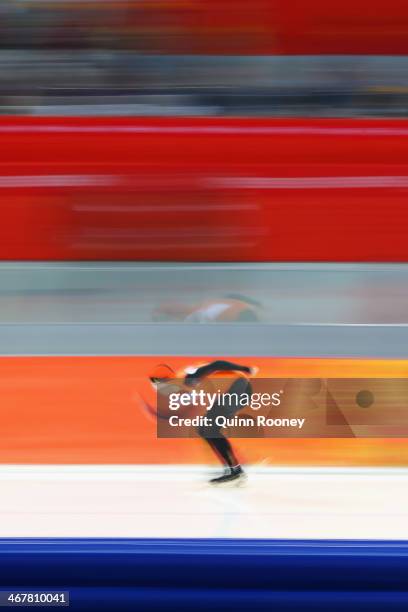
(130, 292)
(306, 310)
(365, 341)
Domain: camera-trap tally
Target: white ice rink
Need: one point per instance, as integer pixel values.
(174, 501)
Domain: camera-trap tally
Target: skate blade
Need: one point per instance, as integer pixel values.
(231, 484)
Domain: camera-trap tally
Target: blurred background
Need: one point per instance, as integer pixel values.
(185, 179)
(203, 57)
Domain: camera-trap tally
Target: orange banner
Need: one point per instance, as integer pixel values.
(63, 410)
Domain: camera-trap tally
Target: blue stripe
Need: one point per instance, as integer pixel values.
(211, 574)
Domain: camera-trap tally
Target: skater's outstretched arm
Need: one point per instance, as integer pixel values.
(219, 365)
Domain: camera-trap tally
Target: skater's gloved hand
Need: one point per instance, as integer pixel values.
(191, 380)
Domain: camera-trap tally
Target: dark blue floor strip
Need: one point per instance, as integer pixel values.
(125, 574)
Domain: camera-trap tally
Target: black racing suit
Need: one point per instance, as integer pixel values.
(212, 434)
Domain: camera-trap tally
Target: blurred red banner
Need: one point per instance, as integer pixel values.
(203, 189)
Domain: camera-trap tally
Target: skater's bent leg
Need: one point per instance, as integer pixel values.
(220, 446)
(219, 443)
(224, 451)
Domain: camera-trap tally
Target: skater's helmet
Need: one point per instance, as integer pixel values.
(162, 372)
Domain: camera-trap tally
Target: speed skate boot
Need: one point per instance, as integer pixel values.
(232, 476)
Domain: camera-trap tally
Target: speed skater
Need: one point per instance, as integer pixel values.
(235, 380)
